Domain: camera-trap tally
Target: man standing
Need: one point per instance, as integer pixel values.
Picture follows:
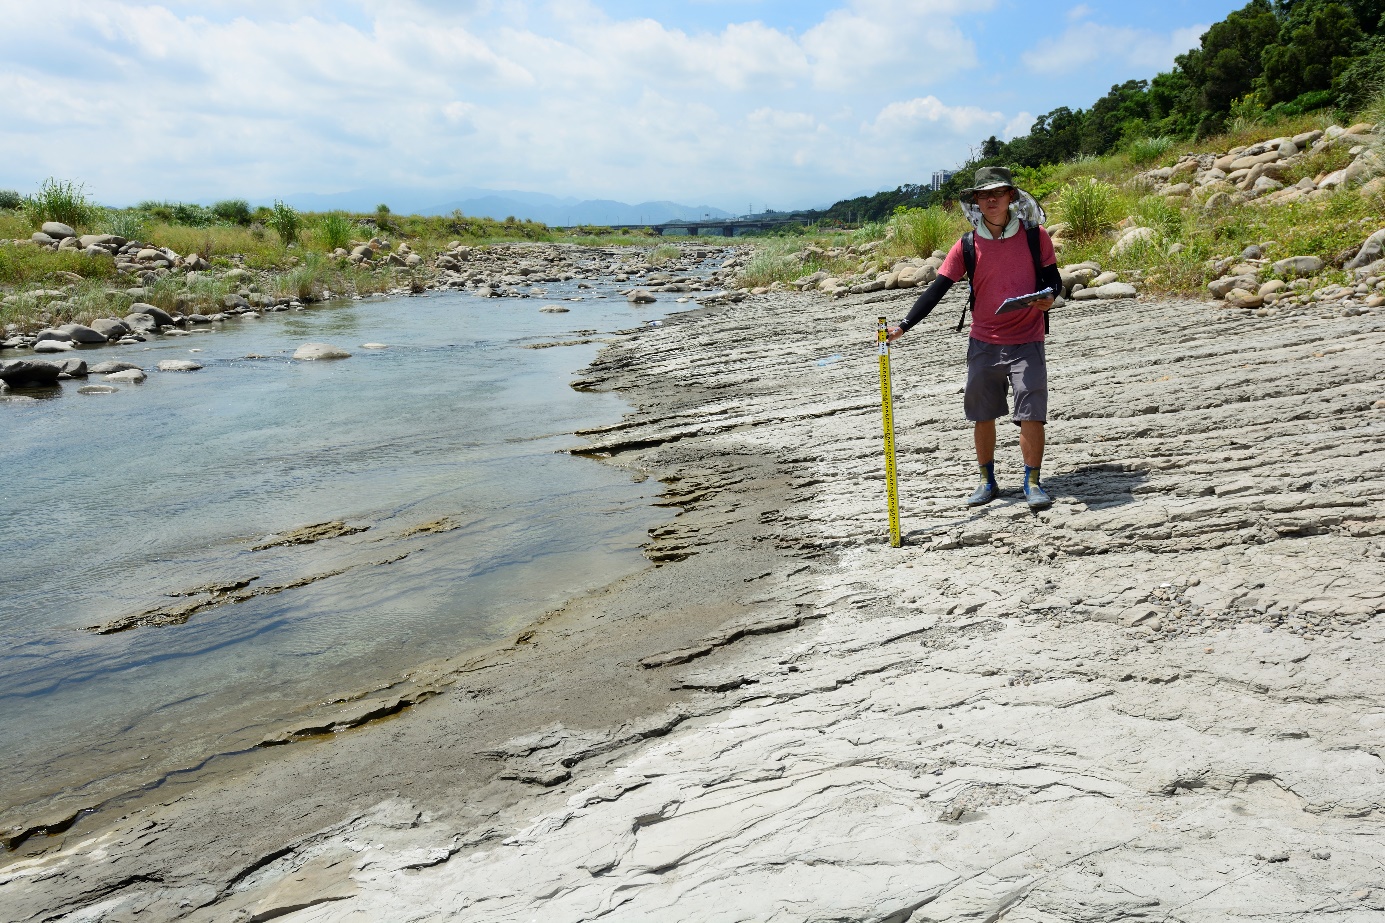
(1006, 349)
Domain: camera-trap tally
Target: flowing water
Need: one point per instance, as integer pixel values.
(113, 502)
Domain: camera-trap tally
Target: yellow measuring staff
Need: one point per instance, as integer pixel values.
(887, 413)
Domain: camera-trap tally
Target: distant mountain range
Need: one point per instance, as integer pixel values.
(500, 204)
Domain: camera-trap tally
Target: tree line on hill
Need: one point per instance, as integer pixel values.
(1264, 61)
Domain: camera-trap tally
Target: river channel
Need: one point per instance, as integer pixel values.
(116, 502)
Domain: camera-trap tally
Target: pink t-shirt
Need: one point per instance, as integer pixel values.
(1004, 269)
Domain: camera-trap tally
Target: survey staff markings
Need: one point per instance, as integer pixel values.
(882, 336)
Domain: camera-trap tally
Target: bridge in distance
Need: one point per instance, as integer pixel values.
(726, 227)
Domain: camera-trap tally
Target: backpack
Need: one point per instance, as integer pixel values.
(969, 260)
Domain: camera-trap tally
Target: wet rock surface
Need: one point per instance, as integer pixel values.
(1159, 699)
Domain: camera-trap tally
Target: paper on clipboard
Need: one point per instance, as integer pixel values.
(1023, 301)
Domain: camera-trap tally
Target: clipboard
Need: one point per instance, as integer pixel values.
(1021, 302)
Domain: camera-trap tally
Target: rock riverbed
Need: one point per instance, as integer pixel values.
(1158, 700)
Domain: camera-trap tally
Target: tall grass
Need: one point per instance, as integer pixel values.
(920, 231)
(61, 200)
(334, 230)
(664, 253)
(1090, 208)
(124, 223)
(1148, 150)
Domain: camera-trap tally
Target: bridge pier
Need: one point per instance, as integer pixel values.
(692, 231)
(728, 231)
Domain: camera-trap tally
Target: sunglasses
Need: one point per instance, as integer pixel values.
(993, 193)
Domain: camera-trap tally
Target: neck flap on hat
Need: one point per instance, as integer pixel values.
(1025, 207)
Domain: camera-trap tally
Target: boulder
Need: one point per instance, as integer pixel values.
(53, 346)
(1218, 201)
(1104, 278)
(553, 309)
(1265, 185)
(178, 365)
(83, 334)
(73, 368)
(1370, 251)
(1133, 238)
(1272, 286)
(235, 303)
(53, 333)
(640, 296)
(42, 239)
(161, 317)
(1179, 189)
(29, 373)
(195, 263)
(1240, 298)
(1109, 290)
(131, 375)
(1221, 287)
(311, 352)
(140, 322)
(97, 389)
(1299, 266)
(238, 275)
(1287, 149)
(57, 230)
(111, 366)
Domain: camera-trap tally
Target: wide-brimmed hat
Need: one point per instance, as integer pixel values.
(988, 178)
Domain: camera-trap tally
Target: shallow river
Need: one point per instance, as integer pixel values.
(112, 502)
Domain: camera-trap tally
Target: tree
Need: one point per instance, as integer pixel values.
(1313, 46)
(1227, 64)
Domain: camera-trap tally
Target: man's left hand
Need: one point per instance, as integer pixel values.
(1042, 304)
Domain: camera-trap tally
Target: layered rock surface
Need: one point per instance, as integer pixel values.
(1161, 699)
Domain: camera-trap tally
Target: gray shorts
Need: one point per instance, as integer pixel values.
(991, 369)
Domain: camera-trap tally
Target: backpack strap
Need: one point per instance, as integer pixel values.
(969, 261)
(1034, 251)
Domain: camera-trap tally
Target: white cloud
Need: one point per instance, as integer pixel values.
(1083, 44)
(176, 99)
(930, 115)
(1019, 125)
(1081, 11)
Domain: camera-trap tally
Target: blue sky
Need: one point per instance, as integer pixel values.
(722, 102)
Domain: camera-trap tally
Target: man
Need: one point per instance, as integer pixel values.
(1005, 349)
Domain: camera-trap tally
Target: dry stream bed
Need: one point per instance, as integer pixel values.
(1160, 700)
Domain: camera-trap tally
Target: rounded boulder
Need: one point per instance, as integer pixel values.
(312, 352)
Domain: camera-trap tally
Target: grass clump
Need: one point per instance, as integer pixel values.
(1090, 208)
(61, 200)
(920, 231)
(1144, 151)
(334, 231)
(124, 223)
(664, 253)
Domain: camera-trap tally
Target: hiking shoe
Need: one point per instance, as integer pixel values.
(1037, 497)
(983, 495)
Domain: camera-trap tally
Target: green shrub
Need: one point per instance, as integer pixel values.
(920, 231)
(1148, 150)
(9, 199)
(232, 211)
(335, 230)
(1089, 207)
(61, 200)
(286, 222)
